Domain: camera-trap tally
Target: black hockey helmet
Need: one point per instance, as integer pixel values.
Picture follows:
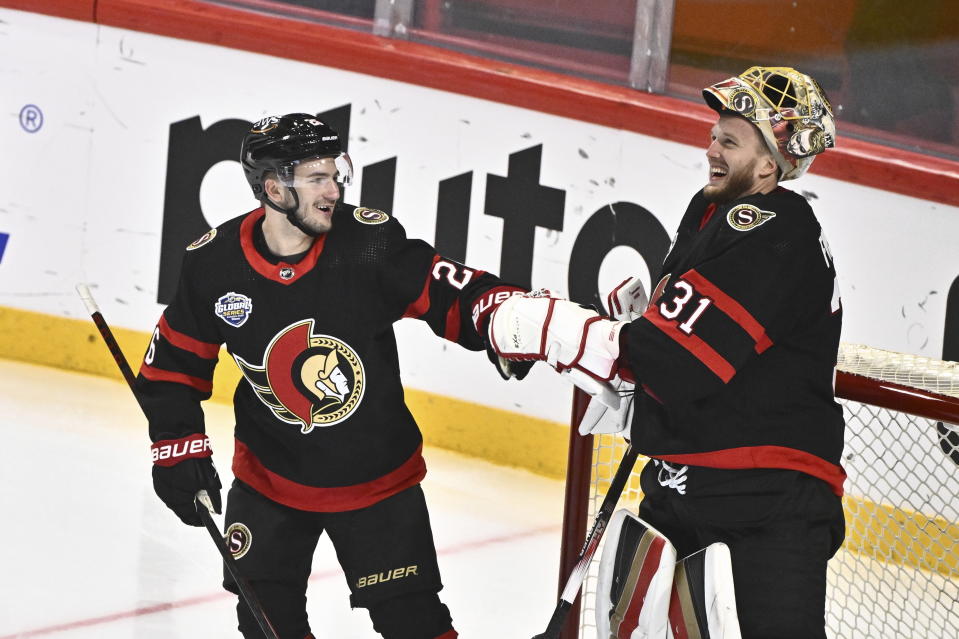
(276, 143)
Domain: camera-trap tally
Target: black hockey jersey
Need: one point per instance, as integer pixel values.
(321, 423)
(735, 356)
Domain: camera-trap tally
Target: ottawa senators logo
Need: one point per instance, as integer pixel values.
(746, 217)
(204, 239)
(370, 216)
(306, 379)
(742, 101)
(238, 539)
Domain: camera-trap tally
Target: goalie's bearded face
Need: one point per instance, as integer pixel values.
(739, 162)
(317, 191)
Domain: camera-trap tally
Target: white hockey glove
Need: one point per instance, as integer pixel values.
(483, 308)
(600, 419)
(628, 301)
(575, 340)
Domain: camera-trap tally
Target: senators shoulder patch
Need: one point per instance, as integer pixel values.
(204, 239)
(370, 216)
(745, 217)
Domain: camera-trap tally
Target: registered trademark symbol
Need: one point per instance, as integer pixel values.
(31, 118)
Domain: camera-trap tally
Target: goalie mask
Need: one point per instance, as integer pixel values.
(276, 144)
(789, 108)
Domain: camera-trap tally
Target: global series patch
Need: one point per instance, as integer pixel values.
(370, 216)
(233, 308)
(745, 217)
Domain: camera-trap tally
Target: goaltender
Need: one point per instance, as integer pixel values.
(732, 360)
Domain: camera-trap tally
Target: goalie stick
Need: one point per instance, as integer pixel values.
(202, 497)
(578, 573)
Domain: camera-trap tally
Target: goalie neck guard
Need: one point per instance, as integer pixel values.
(789, 108)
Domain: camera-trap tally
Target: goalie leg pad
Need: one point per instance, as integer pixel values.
(635, 580)
(703, 602)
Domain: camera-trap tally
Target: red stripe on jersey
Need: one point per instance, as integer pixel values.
(160, 375)
(265, 268)
(249, 469)
(638, 597)
(700, 349)
(422, 303)
(707, 215)
(206, 350)
(766, 457)
(451, 634)
(730, 307)
(452, 332)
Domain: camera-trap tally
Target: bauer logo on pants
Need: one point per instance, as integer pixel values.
(238, 539)
(383, 577)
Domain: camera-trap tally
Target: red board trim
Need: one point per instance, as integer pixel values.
(72, 9)
(869, 164)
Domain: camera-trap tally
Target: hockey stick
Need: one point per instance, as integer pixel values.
(202, 497)
(578, 573)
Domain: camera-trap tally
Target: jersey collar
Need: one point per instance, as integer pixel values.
(283, 272)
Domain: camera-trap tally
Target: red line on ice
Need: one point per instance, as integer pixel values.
(195, 601)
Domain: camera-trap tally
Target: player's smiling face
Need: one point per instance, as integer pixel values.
(317, 188)
(739, 163)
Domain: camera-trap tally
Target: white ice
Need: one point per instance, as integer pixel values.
(87, 550)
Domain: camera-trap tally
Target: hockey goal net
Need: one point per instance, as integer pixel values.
(897, 574)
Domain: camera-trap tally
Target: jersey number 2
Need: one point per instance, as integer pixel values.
(452, 271)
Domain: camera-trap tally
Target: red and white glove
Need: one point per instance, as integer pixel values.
(573, 339)
(482, 309)
(626, 302)
(601, 419)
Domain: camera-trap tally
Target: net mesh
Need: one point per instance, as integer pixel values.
(897, 574)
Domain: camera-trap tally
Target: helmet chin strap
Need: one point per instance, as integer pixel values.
(290, 213)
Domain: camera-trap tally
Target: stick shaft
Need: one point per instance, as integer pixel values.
(578, 573)
(248, 595)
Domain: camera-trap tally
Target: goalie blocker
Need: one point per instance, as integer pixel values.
(644, 593)
(575, 340)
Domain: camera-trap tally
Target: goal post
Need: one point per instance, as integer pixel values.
(897, 573)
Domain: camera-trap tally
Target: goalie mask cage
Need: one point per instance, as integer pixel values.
(897, 573)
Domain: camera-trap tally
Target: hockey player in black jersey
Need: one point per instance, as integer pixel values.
(304, 292)
(733, 360)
